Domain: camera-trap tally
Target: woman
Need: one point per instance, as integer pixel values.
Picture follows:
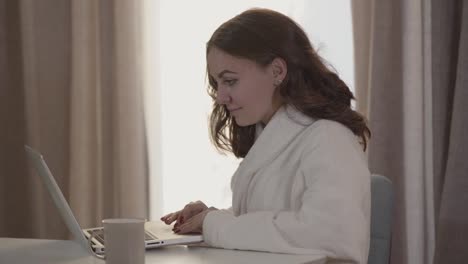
(303, 186)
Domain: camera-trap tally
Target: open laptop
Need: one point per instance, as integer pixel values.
(157, 233)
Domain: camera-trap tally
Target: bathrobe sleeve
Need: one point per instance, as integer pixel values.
(334, 218)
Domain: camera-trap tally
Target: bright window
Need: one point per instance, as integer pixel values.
(184, 165)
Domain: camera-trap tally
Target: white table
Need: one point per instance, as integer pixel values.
(40, 251)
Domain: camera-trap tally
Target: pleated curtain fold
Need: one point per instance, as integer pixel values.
(72, 88)
(411, 82)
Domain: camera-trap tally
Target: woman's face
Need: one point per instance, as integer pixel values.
(247, 90)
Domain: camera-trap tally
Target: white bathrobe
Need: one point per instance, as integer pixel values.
(303, 188)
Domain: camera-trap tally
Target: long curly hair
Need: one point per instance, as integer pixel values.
(261, 35)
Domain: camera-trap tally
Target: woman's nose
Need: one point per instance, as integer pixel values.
(222, 97)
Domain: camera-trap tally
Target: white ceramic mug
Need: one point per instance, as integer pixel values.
(124, 240)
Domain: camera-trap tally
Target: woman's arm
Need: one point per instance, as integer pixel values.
(334, 218)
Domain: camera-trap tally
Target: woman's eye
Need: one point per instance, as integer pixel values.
(230, 82)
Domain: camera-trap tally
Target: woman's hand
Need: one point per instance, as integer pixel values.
(190, 210)
(194, 224)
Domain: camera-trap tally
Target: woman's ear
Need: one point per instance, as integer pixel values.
(279, 69)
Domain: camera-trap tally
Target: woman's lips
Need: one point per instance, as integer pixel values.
(234, 110)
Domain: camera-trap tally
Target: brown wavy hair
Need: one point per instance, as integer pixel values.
(261, 35)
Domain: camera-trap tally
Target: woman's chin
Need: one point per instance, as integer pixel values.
(242, 123)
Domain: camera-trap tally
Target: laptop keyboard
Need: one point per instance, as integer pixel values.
(99, 235)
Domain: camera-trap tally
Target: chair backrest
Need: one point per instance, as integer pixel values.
(381, 219)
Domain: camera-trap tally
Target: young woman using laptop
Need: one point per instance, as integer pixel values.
(303, 186)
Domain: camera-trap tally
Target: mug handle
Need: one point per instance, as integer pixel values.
(90, 242)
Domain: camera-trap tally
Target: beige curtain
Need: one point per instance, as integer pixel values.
(13, 208)
(411, 70)
(450, 85)
(76, 95)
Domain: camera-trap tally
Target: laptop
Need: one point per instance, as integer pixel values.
(157, 233)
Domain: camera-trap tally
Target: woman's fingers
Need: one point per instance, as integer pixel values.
(193, 225)
(191, 210)
(170, 218)
(188, 227)
(186, 214)
(165, 217)
(182, 216)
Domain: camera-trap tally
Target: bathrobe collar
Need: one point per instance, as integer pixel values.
(270, 141)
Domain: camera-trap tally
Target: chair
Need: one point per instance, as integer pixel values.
(381, 219)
